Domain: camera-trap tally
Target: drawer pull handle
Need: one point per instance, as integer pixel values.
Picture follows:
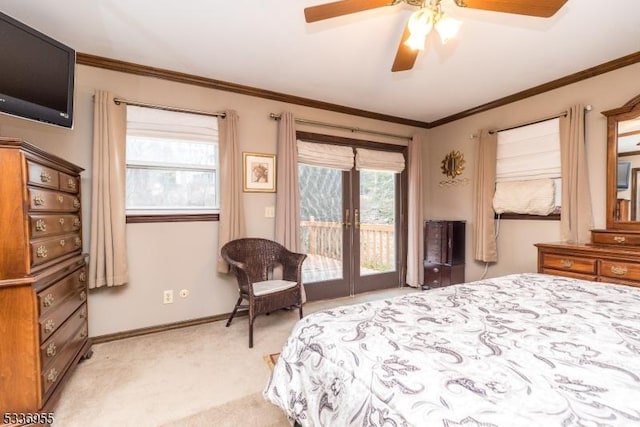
(83, 334)
(83, 314)
(41, 225)
(49, 326)
(53, 375)
(62, 243)
(60, 198)
(618, 270)
(83, 295)
(61, 221)
(436, 270)
(76, 203)
(77, 242)
(76, 222)
(48, 300)
(566, 263)
(41, 252)
(51, 349)
(38, 200)
(45, 176)
(619, 239)
(71, 183)
(83, 276)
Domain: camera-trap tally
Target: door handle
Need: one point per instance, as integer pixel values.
(347, 222)
(356, 215)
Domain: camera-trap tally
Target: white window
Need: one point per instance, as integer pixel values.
(172, 162)
(528, 178)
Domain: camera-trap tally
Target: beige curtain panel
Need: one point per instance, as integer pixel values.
(415, 238)
(484, 186)
(576, 219)
(231, 225)
(287, 231)
(108, 250)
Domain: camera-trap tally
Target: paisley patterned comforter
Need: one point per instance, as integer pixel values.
(520, 350)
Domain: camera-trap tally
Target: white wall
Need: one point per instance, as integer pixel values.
(174, 255)
(517, 237)
(182, 255)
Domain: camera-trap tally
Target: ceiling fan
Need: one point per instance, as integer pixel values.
(430, 16)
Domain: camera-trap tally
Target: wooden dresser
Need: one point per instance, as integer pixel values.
(443, 253)
(612, 257)
(43, 293)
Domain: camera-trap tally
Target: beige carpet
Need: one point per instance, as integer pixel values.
(250, 410)
(203, 375)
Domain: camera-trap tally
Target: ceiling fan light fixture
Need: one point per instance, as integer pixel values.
(420, 25)
(447, 27)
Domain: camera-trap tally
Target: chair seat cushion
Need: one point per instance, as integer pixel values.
(271, 286)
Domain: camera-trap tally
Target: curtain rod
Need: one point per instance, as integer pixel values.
(119, 101)
(555, 116)
(349, 128)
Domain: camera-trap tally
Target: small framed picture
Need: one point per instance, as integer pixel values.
(259, 172)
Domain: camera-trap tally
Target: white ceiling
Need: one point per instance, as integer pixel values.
(345, 60)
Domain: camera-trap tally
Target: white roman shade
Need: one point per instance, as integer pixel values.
(379, 160)
(325, 155)
(153, 122)
(533, 197)
(528, 169)
(529, 152)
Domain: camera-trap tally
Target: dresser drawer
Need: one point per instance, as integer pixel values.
(54, 201)
(571, 274)
(69, 183)
(615, 238)
(42, 176)
(627, 271)
(45, 250)
(55, 370)
(70, 286)
(569, 263)
(51, 321)
(54, 346)
(51, 224)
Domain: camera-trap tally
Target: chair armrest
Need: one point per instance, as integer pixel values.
(292, 266)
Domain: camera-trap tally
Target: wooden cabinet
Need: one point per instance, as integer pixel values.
(43, 293)
(444, 252)
(599, 262)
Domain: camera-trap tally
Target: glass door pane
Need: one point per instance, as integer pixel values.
(324, 272)
(377, 217)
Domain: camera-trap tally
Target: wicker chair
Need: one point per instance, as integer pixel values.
(252, 260)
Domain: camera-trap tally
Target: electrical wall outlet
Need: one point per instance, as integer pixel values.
(167, 297)
(184, 293)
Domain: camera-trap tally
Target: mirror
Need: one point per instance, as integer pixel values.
(623, 166)
(453, 164)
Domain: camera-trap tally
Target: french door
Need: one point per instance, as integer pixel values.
(351, 229)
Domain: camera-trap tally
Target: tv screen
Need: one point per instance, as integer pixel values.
(36, 75)
(624, 170)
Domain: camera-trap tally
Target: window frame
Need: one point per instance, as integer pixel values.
(554, 216)
(164, 215)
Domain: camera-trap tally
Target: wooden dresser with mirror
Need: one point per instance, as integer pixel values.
(43, 292)
(614, 253)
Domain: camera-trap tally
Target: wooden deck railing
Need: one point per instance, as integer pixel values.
(377, 242)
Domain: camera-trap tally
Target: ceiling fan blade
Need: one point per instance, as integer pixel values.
(405, 56)
(540, 8)
(339, 8)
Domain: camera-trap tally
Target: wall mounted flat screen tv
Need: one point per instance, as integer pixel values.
(36, 74)
(624, 171)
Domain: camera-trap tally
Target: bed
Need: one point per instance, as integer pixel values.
(519, 350)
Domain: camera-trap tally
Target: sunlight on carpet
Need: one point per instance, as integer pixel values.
(271, 359)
